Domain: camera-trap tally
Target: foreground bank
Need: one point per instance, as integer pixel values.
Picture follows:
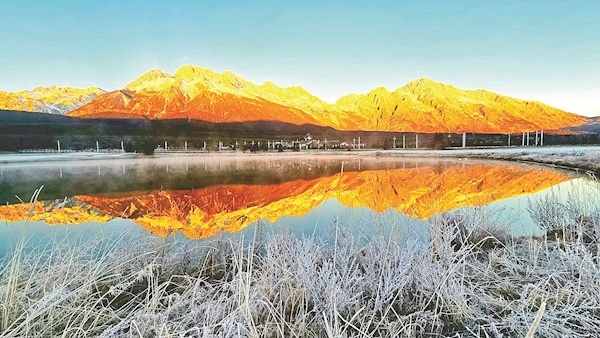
(470, 279)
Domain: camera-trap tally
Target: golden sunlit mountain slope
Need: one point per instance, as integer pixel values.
(420, 106)
(428, 106)
(53, 99)
(198, 93)
(417, 192)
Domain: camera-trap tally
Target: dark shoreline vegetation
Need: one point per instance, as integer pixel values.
(25, 131)
(471, 278)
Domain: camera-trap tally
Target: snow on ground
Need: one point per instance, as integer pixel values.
(582, 157)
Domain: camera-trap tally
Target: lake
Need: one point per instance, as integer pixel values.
(198, 197)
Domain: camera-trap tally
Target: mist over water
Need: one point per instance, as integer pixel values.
(117, 177)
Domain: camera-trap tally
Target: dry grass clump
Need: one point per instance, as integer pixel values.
(471, 278)
(575, 219)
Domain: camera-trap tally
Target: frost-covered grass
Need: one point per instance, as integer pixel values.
(582, 157)
(470, 279)
(587, 158)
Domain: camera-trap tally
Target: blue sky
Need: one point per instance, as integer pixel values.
(542, 50)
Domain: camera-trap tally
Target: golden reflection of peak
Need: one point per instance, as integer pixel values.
(418, 192)
(50, 214)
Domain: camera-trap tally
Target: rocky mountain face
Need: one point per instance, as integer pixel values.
(52, 100)
(201, 94)
(420, 106)
(428, 106)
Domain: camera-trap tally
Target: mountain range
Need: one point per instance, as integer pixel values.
(201, 94)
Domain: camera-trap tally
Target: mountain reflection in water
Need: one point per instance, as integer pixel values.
(419, 192)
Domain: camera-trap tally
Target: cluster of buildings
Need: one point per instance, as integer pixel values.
(311, 143)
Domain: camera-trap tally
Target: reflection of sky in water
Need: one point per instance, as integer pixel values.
(40, 233)
(320, 222)
(360, 221)
(583, 190)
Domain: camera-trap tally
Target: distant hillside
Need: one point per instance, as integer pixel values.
(20, 130)
(52, 100)
(592, 126)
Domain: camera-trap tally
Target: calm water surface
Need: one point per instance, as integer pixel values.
(199, 197)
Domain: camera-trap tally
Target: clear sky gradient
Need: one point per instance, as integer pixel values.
(541, 50)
